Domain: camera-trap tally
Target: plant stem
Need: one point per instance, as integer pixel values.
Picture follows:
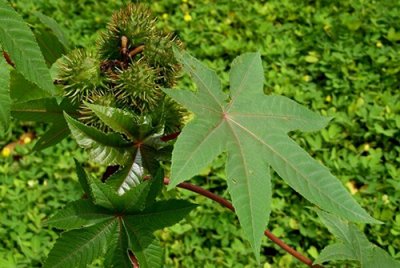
(227, 204)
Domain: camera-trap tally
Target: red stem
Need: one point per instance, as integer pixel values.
(228, 205)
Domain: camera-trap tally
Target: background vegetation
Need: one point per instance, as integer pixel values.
(340, 58)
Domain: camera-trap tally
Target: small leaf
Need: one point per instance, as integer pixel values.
(51, 48)
(82, 177)
(334, 252)
(56, 133)
(78, 248)
(117, 119)
(353, 245)
(78, 214)
(104, 148)
(54, 27)
(102, 194)
(5, 100)
(19, 42)
(128, 177)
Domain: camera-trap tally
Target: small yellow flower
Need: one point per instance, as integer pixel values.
(165, 16)
(6, 152)
(328, 98)
(366, 147)
(307, 78)
(187, 17)
(385, 199)
(27, 140)
(352, 187)
(379, 44)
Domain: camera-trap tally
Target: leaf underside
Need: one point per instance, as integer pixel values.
(19, 42)
(353, 245)
(252, 128)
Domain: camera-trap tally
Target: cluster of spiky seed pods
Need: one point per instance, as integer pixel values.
(132, 61)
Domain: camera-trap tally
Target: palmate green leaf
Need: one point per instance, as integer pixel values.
(78, 248)
(49, 111)
(252, 128)
(353, 245)
(105, 149)
(5, 100)
(19, 42)
(78, 214)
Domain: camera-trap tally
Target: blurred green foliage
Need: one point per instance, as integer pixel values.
(340, 58)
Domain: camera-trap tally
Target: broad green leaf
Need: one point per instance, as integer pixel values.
(42, 110)
(78, 248)
(54, 27)
(104, 148)
(117, 119)
(49, 111)
(252, 128)
(51, 48)
(78, 214)
(23, 90)
(145, 246)
(5, 100)
(353, 245)
(162, 214)
(18, 40)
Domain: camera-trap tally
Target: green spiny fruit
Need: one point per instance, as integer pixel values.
(80, 74)
(136, 87)
(134, 61)
(133, 23)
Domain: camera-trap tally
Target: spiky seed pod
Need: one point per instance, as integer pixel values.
(136, 87)
(134, 23)
(88, 117)
(173, 116)
(159, 54)
(80, 75)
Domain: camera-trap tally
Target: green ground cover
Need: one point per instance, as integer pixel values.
(340, 58)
